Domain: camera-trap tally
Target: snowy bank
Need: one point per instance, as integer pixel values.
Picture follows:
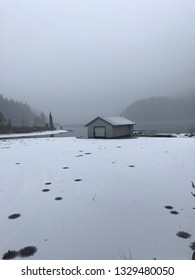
(33, 134)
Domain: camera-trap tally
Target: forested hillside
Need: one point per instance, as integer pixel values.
(20, 114)
(161, 109)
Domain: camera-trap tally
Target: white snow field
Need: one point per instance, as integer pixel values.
(115, 211)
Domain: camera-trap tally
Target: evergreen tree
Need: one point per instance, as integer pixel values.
(9, 123)
(20, 114)
(51, 125)
(2, 119)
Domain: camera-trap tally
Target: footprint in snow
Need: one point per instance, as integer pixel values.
(174, 212)
(14, 216)
(23, 253)
(27, 251)
(10, 255)
(183, 234)
(169, 207)
(58, 198)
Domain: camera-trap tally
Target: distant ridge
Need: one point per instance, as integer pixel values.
(161, 109)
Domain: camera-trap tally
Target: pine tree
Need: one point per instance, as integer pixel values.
(2, 119)
(9, 123)
(51, 125)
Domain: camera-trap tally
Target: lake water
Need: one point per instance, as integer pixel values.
(166, 126)
(77, 130)
(161, 127)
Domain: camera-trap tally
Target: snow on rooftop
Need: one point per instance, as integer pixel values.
(114, 121)
(117, 120)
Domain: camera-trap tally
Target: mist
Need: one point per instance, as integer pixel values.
(82, 59)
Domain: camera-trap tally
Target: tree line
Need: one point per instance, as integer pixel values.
(17, 116)
(161, 109)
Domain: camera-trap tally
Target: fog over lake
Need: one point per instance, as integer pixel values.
(82, 59)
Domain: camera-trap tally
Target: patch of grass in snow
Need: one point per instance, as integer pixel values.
(183, 234)
(78, 180)
(48, 183)
(65, 167)
(124, 256)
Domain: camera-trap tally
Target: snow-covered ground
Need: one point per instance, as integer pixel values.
(115, 210)
(37, 134)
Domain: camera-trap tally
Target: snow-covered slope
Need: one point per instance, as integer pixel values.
(115, 210)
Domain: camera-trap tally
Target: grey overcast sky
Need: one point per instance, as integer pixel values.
(84, 58)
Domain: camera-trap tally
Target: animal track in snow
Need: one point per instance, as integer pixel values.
(169, 207)
(10, 255)
(27, 251)
(14, 216)
(174, 212)
(58, 198)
